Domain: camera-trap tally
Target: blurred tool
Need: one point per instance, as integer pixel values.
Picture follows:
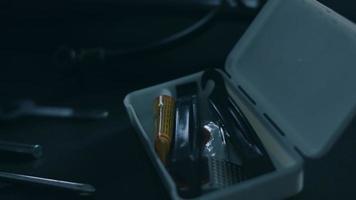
(164, 121)
(28, 108)
(70, 56)
(23, 152)
(44, 182)
(255, 159)
(19, 150)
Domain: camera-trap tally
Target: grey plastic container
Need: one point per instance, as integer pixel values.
(296, 64)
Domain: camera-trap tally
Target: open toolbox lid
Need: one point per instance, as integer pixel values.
(298, 63)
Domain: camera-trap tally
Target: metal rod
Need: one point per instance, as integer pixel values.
(34, 151)
(32, 180)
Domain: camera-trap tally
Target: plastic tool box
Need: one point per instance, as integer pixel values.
(293, 74)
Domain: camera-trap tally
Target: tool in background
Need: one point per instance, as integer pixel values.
(17, 151)
(28, 108)
(71, 56)
(242, 9)
(84, 189)
(24, 152)
(255, 160)
(164, 106)
(185, 153)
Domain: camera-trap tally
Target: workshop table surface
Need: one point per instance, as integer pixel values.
(108, 153)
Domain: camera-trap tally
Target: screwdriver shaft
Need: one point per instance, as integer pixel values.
(34, 151)
(32, 180)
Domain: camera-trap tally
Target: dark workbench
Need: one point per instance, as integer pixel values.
(108, 153)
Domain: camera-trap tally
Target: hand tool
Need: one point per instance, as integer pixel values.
(20, 150)
(185, 154)
(221, 171)
(255, 159)
(27, 108)
(81, 188)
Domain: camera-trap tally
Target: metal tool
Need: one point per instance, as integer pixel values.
(216, 144)
(81, 188)
(255, 159)
(223, 168)
(221, 174)
(20, 150)
(28, 108)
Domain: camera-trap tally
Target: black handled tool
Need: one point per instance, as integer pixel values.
(185, 154)
(186, 148)
(255, 159)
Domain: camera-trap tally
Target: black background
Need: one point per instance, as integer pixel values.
(108, 153)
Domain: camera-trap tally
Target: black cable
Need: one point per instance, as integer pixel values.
(175, 37)
(67, 55)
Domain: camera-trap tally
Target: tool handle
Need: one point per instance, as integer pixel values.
(63, 112)
(20, 149)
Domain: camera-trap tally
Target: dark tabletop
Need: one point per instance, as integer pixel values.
(108, 153)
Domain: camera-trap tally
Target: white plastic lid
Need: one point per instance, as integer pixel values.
(298, 63)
